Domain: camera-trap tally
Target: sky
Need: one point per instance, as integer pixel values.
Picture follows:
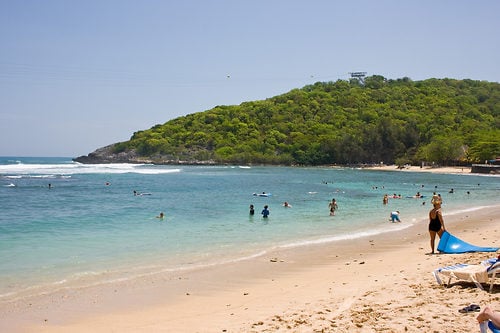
(79, 75)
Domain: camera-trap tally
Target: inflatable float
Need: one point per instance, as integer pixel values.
(451, 244)
(262, 194)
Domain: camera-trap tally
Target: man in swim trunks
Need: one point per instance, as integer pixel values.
(436, 224)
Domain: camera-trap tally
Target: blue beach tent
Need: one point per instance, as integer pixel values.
(451, 244)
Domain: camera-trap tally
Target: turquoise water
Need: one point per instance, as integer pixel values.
(89, 227)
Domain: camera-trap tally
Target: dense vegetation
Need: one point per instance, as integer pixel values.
(445, 121)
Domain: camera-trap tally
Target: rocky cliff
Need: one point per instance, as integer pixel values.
(107, 154)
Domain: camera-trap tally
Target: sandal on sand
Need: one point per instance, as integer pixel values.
(470, 308)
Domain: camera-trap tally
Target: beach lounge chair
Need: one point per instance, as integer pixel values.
(484, 272)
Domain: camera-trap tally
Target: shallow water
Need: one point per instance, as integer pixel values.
(89, 227)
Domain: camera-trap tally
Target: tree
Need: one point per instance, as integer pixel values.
(341, 122)
(443, 150)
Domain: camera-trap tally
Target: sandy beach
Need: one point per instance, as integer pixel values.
(377, 284)
(433, 169)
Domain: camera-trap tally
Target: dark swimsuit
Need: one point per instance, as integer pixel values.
(435, 224)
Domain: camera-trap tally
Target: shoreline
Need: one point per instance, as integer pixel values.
(431, 169)
(364, 285)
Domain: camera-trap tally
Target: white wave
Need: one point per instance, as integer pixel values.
(49, 170)
(42, 176)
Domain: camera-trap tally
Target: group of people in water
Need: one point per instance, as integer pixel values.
(436, 221)
(265, 212)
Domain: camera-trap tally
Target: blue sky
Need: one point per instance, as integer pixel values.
(79, 75)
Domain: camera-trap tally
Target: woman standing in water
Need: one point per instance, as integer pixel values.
(333, 207)
(436, 223)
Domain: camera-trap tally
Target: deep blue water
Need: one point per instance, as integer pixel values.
(89, 227)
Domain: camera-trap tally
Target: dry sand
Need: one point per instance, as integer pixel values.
(375, 284)
(434, 169)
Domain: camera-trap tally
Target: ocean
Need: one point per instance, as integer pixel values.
(65, 224)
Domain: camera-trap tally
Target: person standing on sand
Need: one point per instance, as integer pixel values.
(333, 207)
(436, 224)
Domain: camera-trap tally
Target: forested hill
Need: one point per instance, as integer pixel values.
(445, 121)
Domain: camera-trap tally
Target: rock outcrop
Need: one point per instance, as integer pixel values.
(107, 155)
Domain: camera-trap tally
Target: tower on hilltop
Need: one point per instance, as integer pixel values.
(360, 76)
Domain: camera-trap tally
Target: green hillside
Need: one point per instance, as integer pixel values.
(445, 121)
